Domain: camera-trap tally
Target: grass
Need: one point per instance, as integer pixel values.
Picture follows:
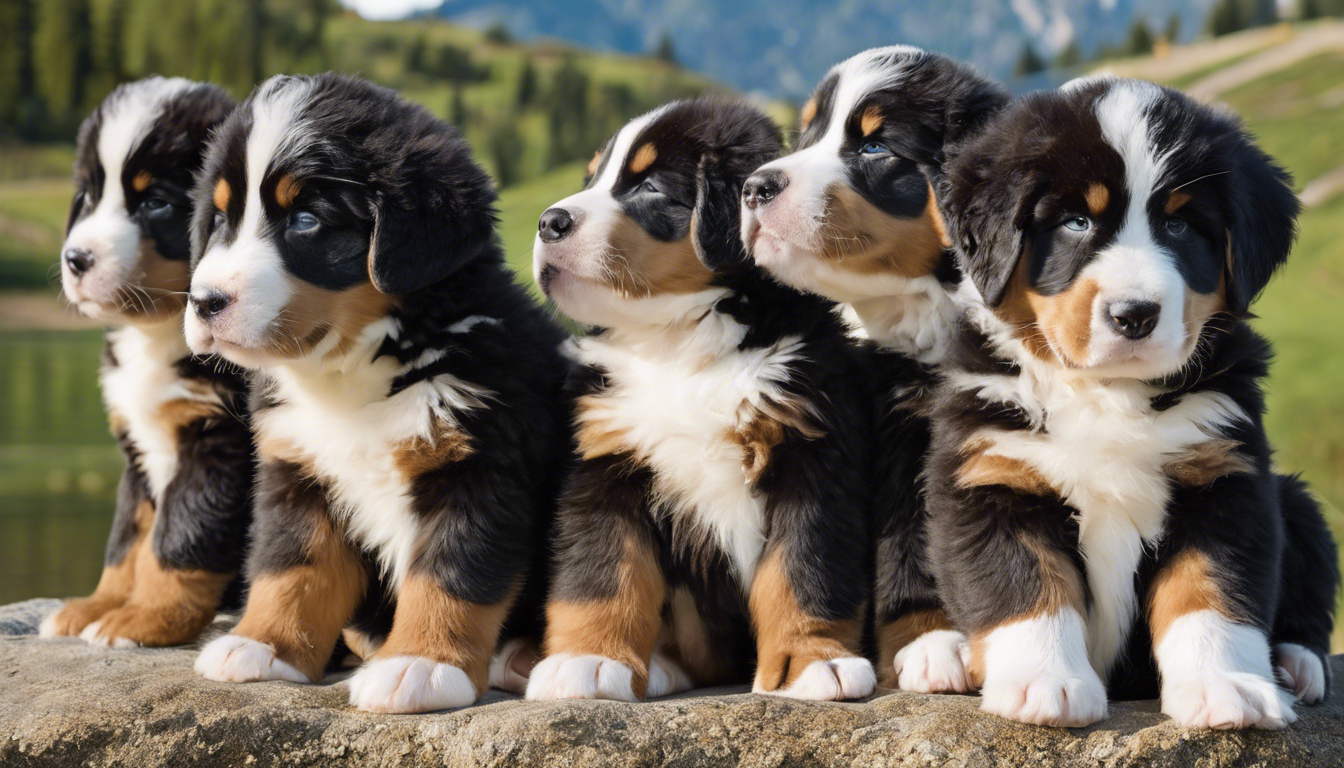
(32, 221)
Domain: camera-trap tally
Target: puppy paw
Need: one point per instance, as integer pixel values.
(933, 663)
(848, 677)
(512, 665)
(407, 684)
(75, 615)
(1301, 670)
(1048, 699)
(238, 659)
(1227, 700)
(133, 625)
(666, 677)
(567, 676)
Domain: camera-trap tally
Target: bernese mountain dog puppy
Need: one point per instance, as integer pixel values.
(184, 502)
(852, 215)
(716, 513)
(1103, 509)
(405, 406)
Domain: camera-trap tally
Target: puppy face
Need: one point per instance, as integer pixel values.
(126, 251)
(1107, 223)
(657, 221)
(321, 201)
(851, 214)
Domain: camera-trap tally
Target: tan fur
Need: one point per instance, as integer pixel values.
(417, 456)
(142, 181)
(787, 638)
(1184, 586)
(114, 585)
(223, 193)
(624, 627)
(871, 121)
(808, 114)
(936, 219)
(1098, 197)
(175, 414)
(360, 643)
(313, 313)
(286, 190)
(860, 238)
(168, 606)
(1175, 201)
(1199, 465)
(595, 432)
(980, 468)
(594, 163)
(432, 624)
(1199, 309)
(301, 611)
(643, 266)
(895, 635)
(687, 642)
(1066, 319)
(158, 289)
(643, 158)
(766, 426)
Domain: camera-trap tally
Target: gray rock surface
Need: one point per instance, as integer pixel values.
(64, 703)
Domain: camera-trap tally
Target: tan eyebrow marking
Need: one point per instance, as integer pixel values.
(1176, 200)
(592, 164)
(871, 120)
(808, 114)
(142, 181)
(1098, 197)
(222, 194)
(286, 190)
(643, 158)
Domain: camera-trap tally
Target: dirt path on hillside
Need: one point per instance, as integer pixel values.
(1327, 37)
(1323, 188)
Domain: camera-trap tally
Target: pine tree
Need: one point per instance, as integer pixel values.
(1070, 57)
(665, 50)
(498, 33)
(1173, 30)
(1140, 38)
(16, 32)
(527, 84)
(506, 149)
(1030, 62)
(63, 54)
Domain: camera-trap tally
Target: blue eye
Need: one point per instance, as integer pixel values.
(648, 187)
(1078, 224)
(873, 148)
(302, 221)
(1177, 227)
(155, 203)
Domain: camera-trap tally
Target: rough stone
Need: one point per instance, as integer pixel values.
(64, 703)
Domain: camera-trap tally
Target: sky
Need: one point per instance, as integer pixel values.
(389, 9)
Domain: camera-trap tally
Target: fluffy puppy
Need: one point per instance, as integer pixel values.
(852, 215)
(184, 504)
(405, 406)
(1103, 508)
(716, 512)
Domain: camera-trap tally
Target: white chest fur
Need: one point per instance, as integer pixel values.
(136, 390)
(1103, 447)
(678, 397)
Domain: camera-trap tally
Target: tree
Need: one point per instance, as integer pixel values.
(1225, 18)
(507, 148)
(665, 51)
(1030, 62)
(1070, 57)
(15, 60)
(63, 54)
(527, 85)
(1173, 29)
(498, 33)
(415, 55)
(1260, 13)
(1140, 38)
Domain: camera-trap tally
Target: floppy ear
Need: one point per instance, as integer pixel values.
(987, 216)
(1263, 226)
(717, 222)
(433, 215)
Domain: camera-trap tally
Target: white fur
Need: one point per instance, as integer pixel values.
(502, 674)
(48, 629)
(677, 394)
(848, 677)
(408, 684)
(1216, 674)
(1302, 671)
(933, 663)
(92, 634)
(666, 677)
(1037, 671)
(238, 659)
(567, 676)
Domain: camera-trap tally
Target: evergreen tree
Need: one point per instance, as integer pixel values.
(498, 33)
(63, 54)
(1260, 13)
(1030, 62)
(665, 50)
(16, 31)
(527, 85)
(1140, 39)
(1070, 57)
(506, 149)
(1225, 17)
(415, 55)
(1173, 30)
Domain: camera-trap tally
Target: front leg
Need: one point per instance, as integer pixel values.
(306, 582)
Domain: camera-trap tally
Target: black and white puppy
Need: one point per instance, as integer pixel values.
(716, 514)
(406, 394)
(1104, 513)
(184, 502)
(852, 215)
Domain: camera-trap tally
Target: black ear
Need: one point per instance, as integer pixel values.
(76, 205)
(987, 217)
(717, 222)
(1263, 224)
(434, 213)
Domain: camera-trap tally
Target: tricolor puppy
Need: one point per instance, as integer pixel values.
(716, 513)
(1104, 514)
(184, 502)
(852, 215)
(406, 395)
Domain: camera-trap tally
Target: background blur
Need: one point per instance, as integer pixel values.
(537, 86)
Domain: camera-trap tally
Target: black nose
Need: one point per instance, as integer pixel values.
(762, 187)
(210, 303)
(78, 260)
(1133, 319)
(555, 223)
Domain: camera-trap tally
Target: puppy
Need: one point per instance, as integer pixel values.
(852, 215)
(1103, 508)
(184, 502)
(716, 512)
(406, 395)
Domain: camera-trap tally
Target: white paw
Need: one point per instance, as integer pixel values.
(666, 677)
(1047, 699)
(933, 663)
(238, 659)
(503, 675)
(404, 684)
(844, 678)
(1301, 670)
(1227, 700)
(49, 628)
(566, 676)
(91, 636)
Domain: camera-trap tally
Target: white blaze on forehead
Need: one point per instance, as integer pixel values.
(275, 128)
(860, 76)
(620, 149)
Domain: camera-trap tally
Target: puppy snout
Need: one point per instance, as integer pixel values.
(208, 304)
(555, 224)
(78, 261)
(1133, 319)
(762, 187)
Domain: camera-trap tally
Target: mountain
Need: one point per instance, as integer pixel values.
(782, 47)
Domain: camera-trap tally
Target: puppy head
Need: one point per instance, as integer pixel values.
(657, 222)
(852, 213)
(321, 200)
(1105, 224)
(126, 251)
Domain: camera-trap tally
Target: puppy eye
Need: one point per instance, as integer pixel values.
(873, 148)
(648, 187)
(220, 220)
(155, 203)
(1177, 227)
(1078, 224)
(302, 221)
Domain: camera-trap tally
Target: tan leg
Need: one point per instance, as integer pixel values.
(114, 586)
(166, 607)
